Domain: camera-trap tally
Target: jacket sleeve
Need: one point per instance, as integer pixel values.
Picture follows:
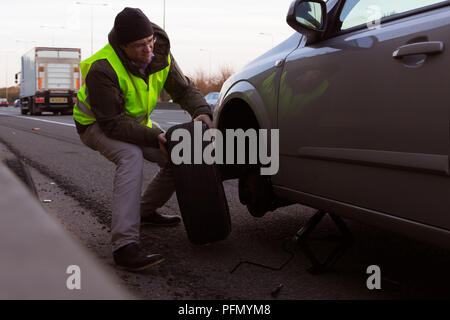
(108, 105)
(184, 92)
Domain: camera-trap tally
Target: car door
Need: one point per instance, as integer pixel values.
(364, 114)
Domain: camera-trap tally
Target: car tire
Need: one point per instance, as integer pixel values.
(201, 197)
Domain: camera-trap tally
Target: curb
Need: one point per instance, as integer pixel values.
(22, 172)
(40, 259)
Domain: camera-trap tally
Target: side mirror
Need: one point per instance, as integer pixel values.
(16, 77)
(308, 17)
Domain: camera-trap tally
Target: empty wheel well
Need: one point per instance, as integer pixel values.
(237, 114)
(255, 190)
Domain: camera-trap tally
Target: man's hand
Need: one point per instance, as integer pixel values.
(205, 119)
(162, 144)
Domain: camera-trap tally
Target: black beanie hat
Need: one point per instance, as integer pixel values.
(132, 24)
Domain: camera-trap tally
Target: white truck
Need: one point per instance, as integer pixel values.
(49, 81)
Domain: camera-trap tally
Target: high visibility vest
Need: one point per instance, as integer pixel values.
(140, 98)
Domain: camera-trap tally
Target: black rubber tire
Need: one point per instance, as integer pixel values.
(33, 111)
(31, 107)
(23, 173)
(201, 197)
(28, 104)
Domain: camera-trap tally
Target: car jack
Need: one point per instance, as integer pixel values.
(345, 241)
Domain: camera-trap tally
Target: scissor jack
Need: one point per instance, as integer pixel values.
(345, 241)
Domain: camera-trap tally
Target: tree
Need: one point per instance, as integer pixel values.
(13, 93)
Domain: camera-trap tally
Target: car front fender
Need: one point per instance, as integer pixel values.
(245, 93)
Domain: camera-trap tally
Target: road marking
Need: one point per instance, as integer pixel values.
(42, 120)
(173, 123)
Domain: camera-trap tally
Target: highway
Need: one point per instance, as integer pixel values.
(259, 259)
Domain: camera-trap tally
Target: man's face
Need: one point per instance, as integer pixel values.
(140, 51)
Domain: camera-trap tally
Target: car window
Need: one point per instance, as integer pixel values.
(360, 12)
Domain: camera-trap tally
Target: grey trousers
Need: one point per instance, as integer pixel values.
(128, 204)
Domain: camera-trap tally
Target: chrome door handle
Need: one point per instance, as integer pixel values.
(429, 47)
(279, 63)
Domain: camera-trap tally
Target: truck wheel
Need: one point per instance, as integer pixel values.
(33, 111)
(31, 108)
(23, 111)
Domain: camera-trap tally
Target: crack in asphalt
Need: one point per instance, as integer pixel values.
(76, 192)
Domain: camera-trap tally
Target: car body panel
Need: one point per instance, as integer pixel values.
(258, 84)
(346, 99)
(246, 92)
(420, 231)
(362, 134)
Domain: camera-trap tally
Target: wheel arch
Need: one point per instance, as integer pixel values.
(242, 107)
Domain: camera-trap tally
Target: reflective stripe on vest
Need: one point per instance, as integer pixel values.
(140, 98)
(83, 108)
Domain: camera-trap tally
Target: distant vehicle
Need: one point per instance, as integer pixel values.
(16, 103)
(211, 98)
(362, 112)
(50, 79)
(4, 102)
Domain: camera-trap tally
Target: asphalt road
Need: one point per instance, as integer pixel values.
(258, 257)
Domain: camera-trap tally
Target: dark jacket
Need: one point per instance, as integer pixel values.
(108, 104)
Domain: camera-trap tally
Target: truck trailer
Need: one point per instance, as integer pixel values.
(50, 79)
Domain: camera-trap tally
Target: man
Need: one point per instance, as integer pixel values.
(112, 115)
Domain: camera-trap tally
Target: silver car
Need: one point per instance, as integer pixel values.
(211, 98)
(361, 97)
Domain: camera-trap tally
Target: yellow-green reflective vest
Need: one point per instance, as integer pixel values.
(140, 99)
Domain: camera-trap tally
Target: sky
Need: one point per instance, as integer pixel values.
(204, 34)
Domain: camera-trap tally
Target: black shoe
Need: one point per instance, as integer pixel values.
(157, 219)
(132, 258)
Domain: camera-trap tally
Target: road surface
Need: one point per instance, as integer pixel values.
(259, 260)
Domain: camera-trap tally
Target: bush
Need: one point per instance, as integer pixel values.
(207, 83)
(13, 93)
